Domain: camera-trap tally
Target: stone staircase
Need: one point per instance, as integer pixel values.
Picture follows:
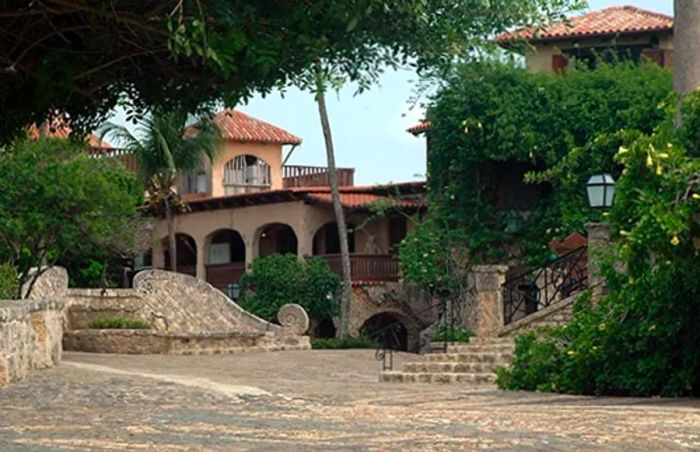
(473, 363)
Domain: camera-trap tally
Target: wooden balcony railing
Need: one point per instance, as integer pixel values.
(314, 176)
(366, 267)
(221, 275)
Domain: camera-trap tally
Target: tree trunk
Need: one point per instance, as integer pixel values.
(686, 46)
(346, 296)
(172, 243)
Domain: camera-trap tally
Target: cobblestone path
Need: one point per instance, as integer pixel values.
(322, 400)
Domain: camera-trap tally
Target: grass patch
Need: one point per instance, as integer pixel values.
(118, 323)
(336, 343)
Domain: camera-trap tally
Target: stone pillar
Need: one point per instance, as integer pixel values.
(305, 243)
(598, 243)
(158, 255)
(202, 257)
(483, 310)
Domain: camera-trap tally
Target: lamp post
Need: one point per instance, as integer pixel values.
(601, 191)
(601, 195)
(233, 291)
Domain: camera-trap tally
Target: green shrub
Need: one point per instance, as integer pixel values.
(121, 323)
(642, 338)
(9, 282)
(278, 279)
(452, 334)
(342, 343)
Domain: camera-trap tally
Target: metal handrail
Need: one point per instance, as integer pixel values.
(534, 289)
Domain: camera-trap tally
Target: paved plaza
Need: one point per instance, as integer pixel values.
(311, 400)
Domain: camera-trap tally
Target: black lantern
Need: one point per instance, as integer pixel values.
(233, 291)
(601, 191)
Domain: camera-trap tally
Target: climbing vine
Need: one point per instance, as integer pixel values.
(499, 131)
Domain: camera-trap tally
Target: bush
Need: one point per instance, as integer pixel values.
(642, 338)
(121, 323)
(278, 279)
(9, 282)
(452, 334)
(337, 343)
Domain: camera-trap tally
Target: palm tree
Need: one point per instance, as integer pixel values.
(164, 147)
(686, 44)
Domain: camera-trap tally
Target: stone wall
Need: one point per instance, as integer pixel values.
(557, 314)
(137, 342)
(30, 337)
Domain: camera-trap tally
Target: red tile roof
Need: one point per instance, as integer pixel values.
(238, 126)
(359, 200)
(609, 21)
(57, 128)
(419, 128)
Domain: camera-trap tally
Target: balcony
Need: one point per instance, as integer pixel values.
(314, 176)
(366, 267)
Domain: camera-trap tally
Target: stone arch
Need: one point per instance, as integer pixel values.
(327, 241)
(245, 173)
(277, 238)
(186, 250)
(221, 254)
(388, 328)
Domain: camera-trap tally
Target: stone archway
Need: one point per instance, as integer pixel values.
(186, 254)
(326, 239)
(225, 253)
(387, 329)
(276, 238)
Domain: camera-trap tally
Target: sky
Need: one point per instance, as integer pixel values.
(369, 130)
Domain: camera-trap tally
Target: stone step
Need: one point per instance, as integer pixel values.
(468, 367)
(481, 348)
(483, 357)
(443, 377)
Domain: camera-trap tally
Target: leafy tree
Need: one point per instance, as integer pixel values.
(278, 279)
(57, 200)
(642, 338)
(163, 149)
(558, 130)
(82, 58)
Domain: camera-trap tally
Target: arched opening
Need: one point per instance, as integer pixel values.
(246, 173)
(387, 330)
(186, 254)
(325, 329)
(277, 238)
(327, 240)
(225, 258)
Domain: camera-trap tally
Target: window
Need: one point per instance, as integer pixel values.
(245, 171)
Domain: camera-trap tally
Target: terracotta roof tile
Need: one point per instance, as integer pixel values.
(358, 200)
(238, 126)
(419, 128)
(609, 21)
(57, 128)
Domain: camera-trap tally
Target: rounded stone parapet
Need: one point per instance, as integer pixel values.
(293, 318)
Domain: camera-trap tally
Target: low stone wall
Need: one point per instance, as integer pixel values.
(30, 337)
(557, 314)
(138, 342)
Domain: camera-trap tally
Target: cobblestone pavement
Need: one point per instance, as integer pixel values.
(311, 400)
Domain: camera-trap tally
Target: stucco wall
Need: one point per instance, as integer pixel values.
(30, 337)
(304, 219)
(270, 153)
(539, 59)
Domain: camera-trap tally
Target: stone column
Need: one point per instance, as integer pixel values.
(305, 242)
(202, 257)
(598, 243)
(483, 310)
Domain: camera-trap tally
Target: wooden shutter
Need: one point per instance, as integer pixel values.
(559, 63)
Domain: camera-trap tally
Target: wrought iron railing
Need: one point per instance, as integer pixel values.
(530, 291)
(450, 320)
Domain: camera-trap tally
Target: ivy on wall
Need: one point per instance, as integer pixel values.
(507, 144)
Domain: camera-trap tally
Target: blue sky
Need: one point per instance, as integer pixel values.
(369, 129)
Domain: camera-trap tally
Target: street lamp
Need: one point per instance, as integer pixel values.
(233, 291)
(601, 191)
